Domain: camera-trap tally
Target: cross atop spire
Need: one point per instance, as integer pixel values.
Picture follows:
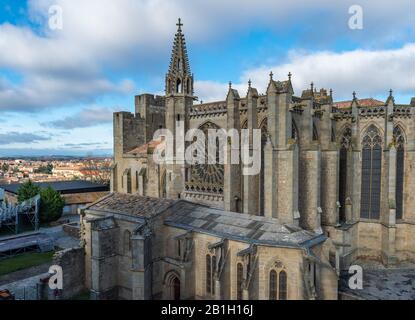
(179, 25)
(179, 78)
(179, 62)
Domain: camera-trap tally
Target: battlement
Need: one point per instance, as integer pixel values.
(129, 132)
(148, 99)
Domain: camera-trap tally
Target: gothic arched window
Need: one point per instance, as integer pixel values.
(273, 285)
(163, 185)
(129, 185)
(315, 132)
(371, 173)
(399, 140)
(345, 143)
(282, 285)
(208, 274)
(213, 273)
(210, 271)
(179, 86)
(294, 131)
(239, 281)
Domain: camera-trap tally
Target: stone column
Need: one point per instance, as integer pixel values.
(349, 210)
(245, 294)
(104, 263)
(218, 290)
(356, 166)
(310, 189)
(388, 209)
(270, 178)
(141, 266)
(287, 187)
(251, 182)
(281, 159)
(232, 171)
(329, 186)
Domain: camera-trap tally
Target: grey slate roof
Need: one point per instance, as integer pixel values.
(238, 226)
(383, 284)
(204, 219)
(133, 205)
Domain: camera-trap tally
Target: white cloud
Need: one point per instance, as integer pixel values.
(369, 73)
(21, 137)
(88, 117)
(58, 67)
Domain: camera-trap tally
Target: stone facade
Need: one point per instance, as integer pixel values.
(315, 173)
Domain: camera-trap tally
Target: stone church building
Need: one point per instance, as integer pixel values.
(334, 189)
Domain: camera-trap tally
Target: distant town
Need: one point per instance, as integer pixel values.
(46, 169)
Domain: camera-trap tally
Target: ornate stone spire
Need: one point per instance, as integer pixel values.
(179, 62)
(179, 78)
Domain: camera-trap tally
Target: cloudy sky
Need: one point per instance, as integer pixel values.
(59, 87)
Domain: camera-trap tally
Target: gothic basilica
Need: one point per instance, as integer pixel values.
(334, 190)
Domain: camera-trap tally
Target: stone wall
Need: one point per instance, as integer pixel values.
(72, 262)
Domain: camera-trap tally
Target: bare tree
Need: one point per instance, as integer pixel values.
(97, 170)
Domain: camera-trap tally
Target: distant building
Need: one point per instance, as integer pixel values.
(67, 172)
(77, 193)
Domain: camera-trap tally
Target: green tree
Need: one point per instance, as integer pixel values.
(45, 169)
(51, 205)
(5, 167)
(27, 190)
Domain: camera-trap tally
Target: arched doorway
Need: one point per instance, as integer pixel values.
(175, 289)
(172, 286)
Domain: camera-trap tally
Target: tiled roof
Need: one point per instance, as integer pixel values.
(146, 148)
(133, 205)
(368, 102)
